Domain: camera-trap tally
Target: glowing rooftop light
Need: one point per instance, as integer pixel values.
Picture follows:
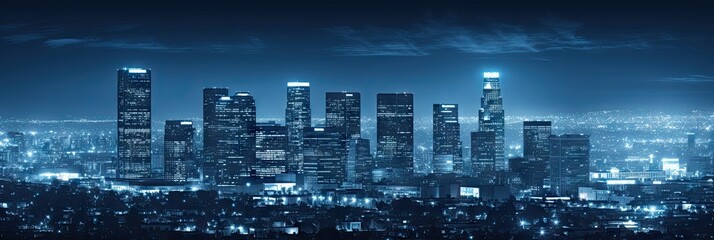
(225, 98)
(491, 75)
(448, 105)
(242, 94)
(136, 70)
(319, 129)
(298, 84)
(186, 123)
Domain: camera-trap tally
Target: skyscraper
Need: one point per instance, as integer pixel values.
(210, 134)
(691, 151)
(271, 143)
(536, 152)
(235, 153)
(395, 133)
(342, 111)
(359, 161)
(134, 123)
(491, 116)
(325, 155)
(179, 158)
(447, 139)
(297, 117)
(483, 152)
(569, 163)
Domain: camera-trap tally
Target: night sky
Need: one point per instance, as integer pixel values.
(59, 60)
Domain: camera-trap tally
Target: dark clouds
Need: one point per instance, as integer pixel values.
(554, 57)
(550, 34)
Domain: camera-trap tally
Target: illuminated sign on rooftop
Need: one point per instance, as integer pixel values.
(298, 84)
(490, 75)
(136, 70)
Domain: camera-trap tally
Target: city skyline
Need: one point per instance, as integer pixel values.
(357, 119)
(565, 51)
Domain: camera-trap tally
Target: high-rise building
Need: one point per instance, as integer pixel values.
(297, 117)
(235, 153)
(325, 157)
(483, 152)
(359, 161)
(491, 117)
(179, 158)
(271, 143)
(395, 134)
(520, 170)
(691, 150)
(536, 152)
(342, 111)
(210, 131)
(569, 163)
(447, 139)
(134, 123)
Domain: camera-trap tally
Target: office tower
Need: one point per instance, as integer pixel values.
(691, 150)
(210, 131)
(235, 153)
(359, 161)
(179, 159)
(491, 116)
(520, 170)
(536, 152)
(691, 144)
(342, 111)
(297, 117)
(271, 143)
(447, 139)
(395, 134)
(325, 157)
(569, 163)
(134, 123)
(483, 152)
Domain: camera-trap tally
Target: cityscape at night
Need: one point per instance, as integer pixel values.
(357, 120)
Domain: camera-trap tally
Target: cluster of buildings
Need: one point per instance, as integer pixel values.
(236, 175)
(236, 146)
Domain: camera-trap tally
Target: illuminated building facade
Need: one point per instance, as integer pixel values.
(447, 139)
(179, 158)
(210, 131)
(271, 142)
(297, 117)
(536, 151)
(236, 138)
(134, 123)
(395, 133)
(491, 116)
(325, 155)
(342, 111)
(569, 163)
